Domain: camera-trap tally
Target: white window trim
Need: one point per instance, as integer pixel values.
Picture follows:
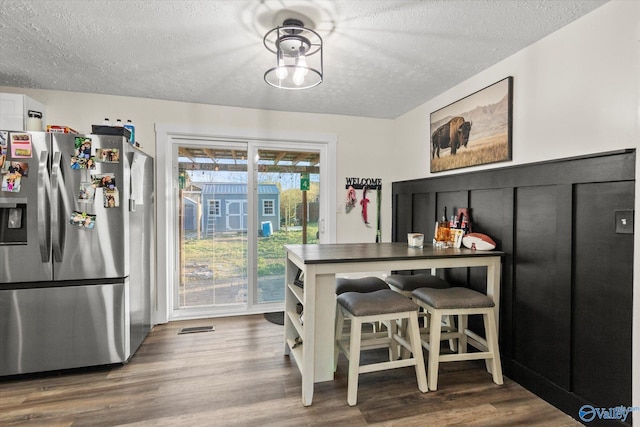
(219, 205)
(273, 207)
(169, 136)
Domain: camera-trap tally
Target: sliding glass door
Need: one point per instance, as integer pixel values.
(287, 211)
(212, 226)
(238, 204)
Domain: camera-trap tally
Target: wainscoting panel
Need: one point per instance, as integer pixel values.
(541, 333)
(602, 298)
(566, 301)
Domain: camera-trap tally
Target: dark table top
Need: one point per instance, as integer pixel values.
(370, 252)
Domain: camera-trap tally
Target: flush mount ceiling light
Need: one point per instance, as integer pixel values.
(298, 56)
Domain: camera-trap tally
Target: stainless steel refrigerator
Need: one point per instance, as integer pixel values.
(76, 250)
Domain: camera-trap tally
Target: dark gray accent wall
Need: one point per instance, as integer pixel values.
(566, 303)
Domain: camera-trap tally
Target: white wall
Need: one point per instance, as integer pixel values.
(576, 92)
(362, 145)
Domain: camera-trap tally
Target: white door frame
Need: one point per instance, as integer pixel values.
(169, 136)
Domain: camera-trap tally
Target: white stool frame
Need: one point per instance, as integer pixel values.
(488, 347)
(448, 324)
(358, 341)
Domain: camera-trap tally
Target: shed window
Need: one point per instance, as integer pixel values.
(268, 207)
(214, 207)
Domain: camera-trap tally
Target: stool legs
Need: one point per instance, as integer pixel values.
(463, 322)
(492, 344)
(435, 329)
(412, 341)
(416, 345)
(354, 361)
(338, 336)
(488, 347)
(448, 325)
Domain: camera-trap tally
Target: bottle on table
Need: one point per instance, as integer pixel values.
(443, 232)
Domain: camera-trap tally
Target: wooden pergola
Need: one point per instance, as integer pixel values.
(236, 160)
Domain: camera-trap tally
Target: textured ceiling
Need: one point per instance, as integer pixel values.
(381, 58)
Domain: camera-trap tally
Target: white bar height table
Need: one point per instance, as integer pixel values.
(320, 263)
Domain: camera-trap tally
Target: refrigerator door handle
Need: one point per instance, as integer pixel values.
(55, 208)
(44, 202)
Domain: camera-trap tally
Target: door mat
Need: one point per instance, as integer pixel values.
(277, 317)
(195, 329)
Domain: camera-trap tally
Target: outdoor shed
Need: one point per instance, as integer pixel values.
(224, 207)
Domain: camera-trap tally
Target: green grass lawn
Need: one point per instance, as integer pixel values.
(227, 254)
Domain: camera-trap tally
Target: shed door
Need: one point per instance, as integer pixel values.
(236, 215)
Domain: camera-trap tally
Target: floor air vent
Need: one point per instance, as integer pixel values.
(195, 329)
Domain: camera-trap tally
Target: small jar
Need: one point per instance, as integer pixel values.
(34, 121)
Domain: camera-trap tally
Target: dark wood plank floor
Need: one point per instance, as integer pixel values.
(238, 376)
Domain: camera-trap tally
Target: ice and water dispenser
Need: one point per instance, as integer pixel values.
(13, 216)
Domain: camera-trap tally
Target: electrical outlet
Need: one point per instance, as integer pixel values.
(624, 221)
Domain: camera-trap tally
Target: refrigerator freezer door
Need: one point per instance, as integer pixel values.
(89, 242)
(53, 328)
(25, 244)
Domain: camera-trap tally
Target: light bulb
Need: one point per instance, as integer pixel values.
(301, 68)
(298, 77)
(281, 71)
(302, 63)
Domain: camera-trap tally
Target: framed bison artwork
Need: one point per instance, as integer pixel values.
(474, 130)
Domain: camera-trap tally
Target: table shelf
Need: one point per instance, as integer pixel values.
(296, 352)
(297, 292)
(294, 318)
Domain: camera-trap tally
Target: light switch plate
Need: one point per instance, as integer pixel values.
(624, 221)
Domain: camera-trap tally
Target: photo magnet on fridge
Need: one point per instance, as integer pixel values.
(107, 155)
(11, 182)
(111, 198)
(21, 146)
(21, 168)
(82, 163)
(77, 162)
(106, 180)
(4, 143)
(87, 192)
(82, 220)
(83, 147)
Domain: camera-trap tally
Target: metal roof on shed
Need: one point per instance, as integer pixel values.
(233, 188)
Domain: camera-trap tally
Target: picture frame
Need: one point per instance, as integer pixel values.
(299, 280)
(474, 130)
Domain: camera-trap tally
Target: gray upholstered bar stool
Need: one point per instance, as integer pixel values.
(362, 284)
(459, 302)
(406, 284)
(378, 306)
